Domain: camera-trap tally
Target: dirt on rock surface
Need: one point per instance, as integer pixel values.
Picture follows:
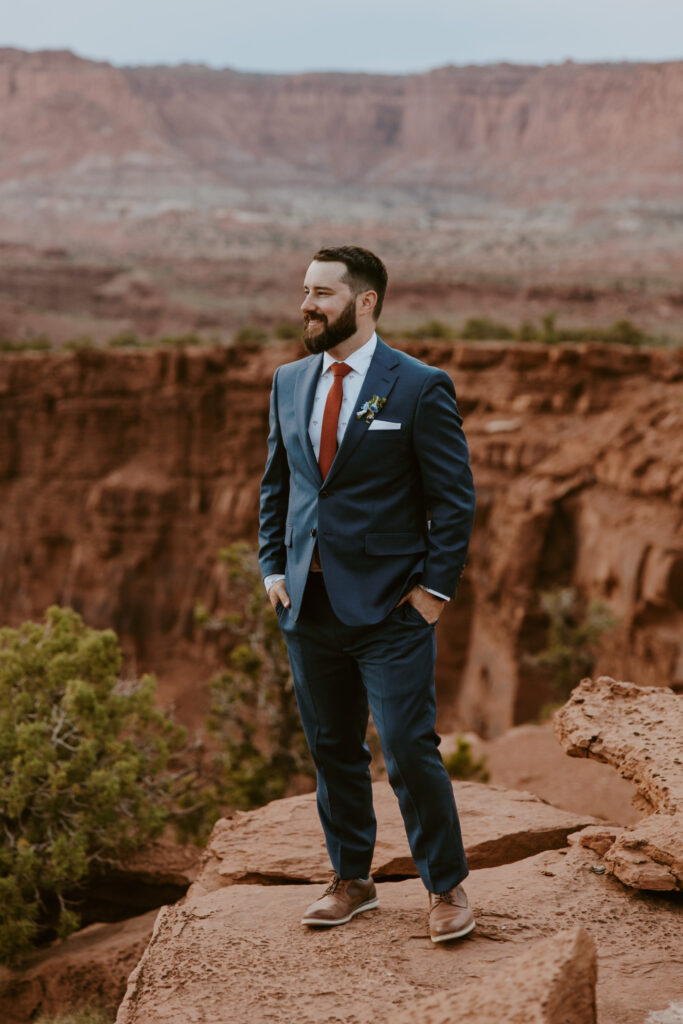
(552, 983)
(240, 953)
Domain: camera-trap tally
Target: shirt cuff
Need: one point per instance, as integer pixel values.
(268, 581)
(434, 592)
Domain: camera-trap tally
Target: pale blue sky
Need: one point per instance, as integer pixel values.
(353, 35)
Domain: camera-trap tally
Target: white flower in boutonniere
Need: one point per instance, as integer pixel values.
(369, 409)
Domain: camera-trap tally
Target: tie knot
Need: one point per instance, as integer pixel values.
(341, 369)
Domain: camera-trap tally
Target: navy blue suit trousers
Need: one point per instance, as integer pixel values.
(340, 673)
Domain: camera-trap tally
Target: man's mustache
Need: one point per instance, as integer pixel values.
(314, 316)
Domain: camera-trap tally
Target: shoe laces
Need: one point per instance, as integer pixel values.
(333, 886)
(445, 897)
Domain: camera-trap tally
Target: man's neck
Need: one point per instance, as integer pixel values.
(347, 348)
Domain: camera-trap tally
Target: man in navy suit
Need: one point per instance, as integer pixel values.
(367, 504)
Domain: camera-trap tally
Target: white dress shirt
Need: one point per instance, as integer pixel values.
(359, 361)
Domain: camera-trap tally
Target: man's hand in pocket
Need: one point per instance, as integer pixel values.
(278, 592)
(429, 607)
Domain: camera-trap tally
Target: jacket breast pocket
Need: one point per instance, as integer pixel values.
(395, 544)
(396, 437)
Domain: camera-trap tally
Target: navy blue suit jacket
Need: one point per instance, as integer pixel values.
(396, 506)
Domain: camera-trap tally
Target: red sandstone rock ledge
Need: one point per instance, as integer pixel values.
(240, 953)
(239, 949)
(552, 983)
(282, 842)
(235, 951)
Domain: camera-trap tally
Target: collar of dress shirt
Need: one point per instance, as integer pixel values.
(358, 360)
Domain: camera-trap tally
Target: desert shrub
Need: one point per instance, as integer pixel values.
(38, 343)
(624, 333)
(254, 715)
(180, 340)
(547, 711)
(79, 342)
(573, 637)
(483, 329)
(527, 331)
(287, 330)
(462, 765)
(549, 333)
(434, 330)
(93, 1014)
(125, 339)
(83, 768)
(250, 334)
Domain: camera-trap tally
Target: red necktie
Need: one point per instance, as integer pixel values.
(328, 435)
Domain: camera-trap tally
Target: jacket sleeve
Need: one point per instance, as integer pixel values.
(443, 457)
(274, 496)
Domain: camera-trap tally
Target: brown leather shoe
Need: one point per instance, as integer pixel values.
(450, 915)
(342, 900)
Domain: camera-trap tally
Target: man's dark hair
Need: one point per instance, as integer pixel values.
(364, 270)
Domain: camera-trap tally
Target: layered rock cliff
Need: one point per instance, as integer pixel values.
(495, 168)
(122, 473)
(499, 126)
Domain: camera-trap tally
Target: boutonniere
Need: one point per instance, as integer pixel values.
(369, 409)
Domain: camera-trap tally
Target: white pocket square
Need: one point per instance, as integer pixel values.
(384, 425)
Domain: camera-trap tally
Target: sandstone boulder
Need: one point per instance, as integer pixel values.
(93, 963)
(649, 855)
(638, 730)
(552, 983)
(283, 841)
(529, 757)
(90, 966)
(159, 862)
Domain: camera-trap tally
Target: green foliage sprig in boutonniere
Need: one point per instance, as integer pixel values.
(369, 409)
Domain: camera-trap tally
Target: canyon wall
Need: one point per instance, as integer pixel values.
(122, 473)
(554, 130)
(499, 169)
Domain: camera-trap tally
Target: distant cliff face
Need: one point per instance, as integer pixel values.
(501, 169)
(122, 474)
(562, 130)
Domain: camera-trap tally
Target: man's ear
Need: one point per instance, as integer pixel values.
(367, 302)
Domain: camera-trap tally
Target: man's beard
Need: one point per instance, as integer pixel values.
(333, 334)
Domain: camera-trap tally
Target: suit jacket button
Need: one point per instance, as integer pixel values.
(313, 532)
(324, 494)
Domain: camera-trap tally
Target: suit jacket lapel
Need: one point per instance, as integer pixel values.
(304, 394)
(379, 380)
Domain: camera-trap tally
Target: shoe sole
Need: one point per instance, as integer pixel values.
(454, 935)
(317, 922)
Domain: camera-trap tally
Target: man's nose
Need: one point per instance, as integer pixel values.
(307, 305)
